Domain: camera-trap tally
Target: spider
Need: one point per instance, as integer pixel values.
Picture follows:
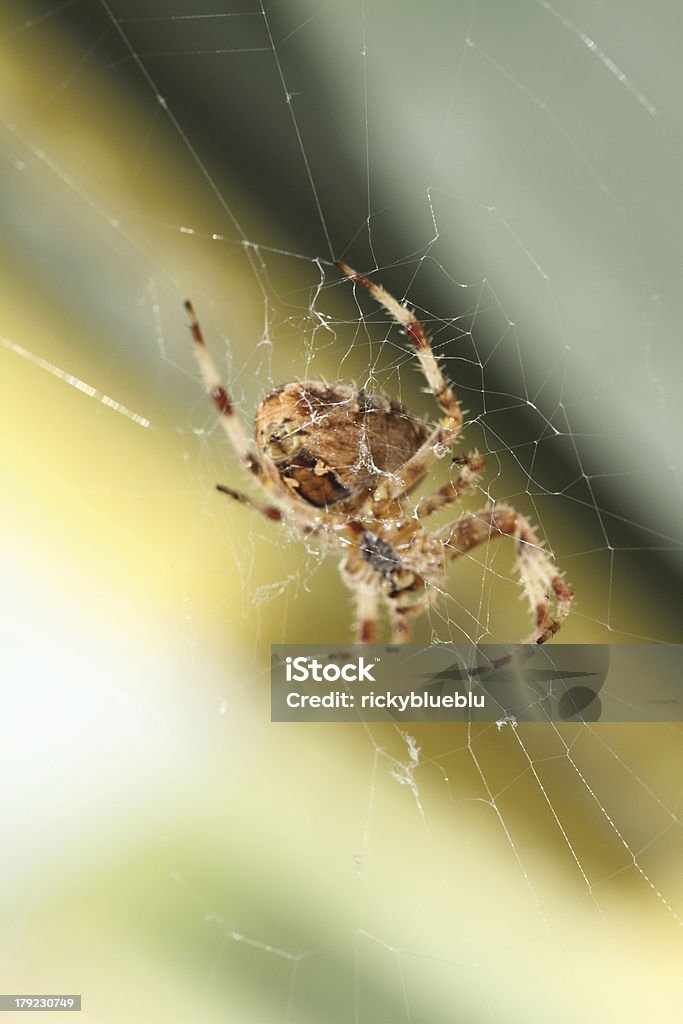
(338, 463)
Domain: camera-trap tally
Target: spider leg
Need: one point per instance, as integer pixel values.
(412, 327)
(245, 449)
(322, 526)
(365, 588)
(549, 597)
(256, 462)
(471, 467)
(269, 511)
(411, 472)
(366, 614)
(400, 624)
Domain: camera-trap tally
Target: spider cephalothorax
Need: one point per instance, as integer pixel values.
(338, 463)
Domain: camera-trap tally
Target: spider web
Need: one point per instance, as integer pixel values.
(511, 171)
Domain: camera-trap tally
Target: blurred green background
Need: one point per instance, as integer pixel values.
(514, 169)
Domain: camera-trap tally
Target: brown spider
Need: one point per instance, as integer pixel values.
(337, 463)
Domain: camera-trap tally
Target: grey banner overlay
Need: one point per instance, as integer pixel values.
(477, 683)
(30, 1003)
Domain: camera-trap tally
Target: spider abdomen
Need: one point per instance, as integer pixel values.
(330, 442)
